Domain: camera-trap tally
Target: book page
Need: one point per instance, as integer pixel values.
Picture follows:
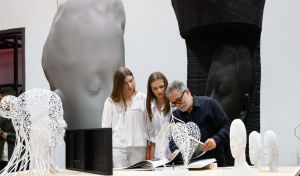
(201, 163)
(198, 152)
(148, 164)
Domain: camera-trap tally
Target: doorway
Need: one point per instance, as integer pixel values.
(12, 59)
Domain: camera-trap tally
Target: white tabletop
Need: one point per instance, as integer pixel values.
(282, 171)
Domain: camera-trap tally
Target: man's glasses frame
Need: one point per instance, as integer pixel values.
(178, 101)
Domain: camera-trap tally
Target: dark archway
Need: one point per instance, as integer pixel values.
(223, 52)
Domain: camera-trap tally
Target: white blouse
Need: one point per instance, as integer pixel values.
(158, 120)
(129, 128)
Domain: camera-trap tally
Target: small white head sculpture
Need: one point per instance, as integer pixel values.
(39, 125)
(238, 143)
(255, 148)
(271, 150)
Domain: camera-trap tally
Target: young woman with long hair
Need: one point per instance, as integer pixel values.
(125, 112)
(158, 109)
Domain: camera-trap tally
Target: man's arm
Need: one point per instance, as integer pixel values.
(172, 145)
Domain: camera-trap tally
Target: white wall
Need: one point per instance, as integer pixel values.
(152, 43)
(36, 16)
(280, 86)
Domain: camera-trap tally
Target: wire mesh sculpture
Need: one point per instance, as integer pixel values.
(185, 135)
(163, 139)
(39, 125)
(7, 105)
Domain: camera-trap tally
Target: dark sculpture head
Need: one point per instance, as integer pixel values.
(231, 79)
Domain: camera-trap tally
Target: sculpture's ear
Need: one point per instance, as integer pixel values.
(245, 106)
(59, 93)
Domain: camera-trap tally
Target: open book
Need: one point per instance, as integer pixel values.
(152, 164)
(194, 163)
(149, 164)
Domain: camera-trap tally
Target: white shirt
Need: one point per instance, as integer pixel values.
(158, 120)
(129, 128)
(5, 152)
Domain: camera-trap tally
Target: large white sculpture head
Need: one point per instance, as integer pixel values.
(271, 150)
(255, 148)
(84, 48)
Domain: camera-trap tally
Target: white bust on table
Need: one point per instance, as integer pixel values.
(271, 150)
(255, 148)
(238, 137)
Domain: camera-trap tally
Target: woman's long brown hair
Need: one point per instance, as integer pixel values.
(150, 96)
(117, 94)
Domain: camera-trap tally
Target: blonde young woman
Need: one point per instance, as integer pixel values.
(125, 112)
(158, 109)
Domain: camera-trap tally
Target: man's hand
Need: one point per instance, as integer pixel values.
(209, 144)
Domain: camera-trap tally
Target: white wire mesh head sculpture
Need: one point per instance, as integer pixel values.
(271, 150)
(39, 125)
(255, 148)
(186, 137)
(7, 105)
(163, 139)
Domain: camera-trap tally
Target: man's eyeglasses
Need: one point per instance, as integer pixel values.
(178, 100)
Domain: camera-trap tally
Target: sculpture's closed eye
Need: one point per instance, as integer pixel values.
(94, 86)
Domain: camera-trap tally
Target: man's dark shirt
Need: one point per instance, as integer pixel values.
(7, 126)
(212, 121)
